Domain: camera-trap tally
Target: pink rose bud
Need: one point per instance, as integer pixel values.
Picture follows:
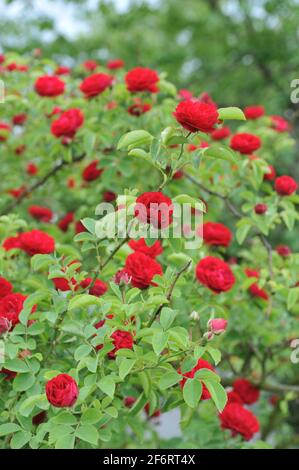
(217, 325)
(5, 325)
(121, 278)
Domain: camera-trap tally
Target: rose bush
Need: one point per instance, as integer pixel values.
(104, 335)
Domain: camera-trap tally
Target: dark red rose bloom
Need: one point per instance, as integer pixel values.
(41, 213)
(62, 391)
(271, 174)
(233, 397)
(5, 129)
(221, 133)
(239, 420)
(12, 242)
(279, 124)
(2, 58)
(90, 65)
(55, 111)
(91, 172)
(245, 143)
(109, 196)
(121, 340)
(254, 289)
(99, 288)
(285, 185)
(216, 234)
(260, 208)
(154, 414)
(19, 119)
(196, 116)
(39, 418)
(68, 123)
(31, 169)
(154, 208)
(185, 94)
(49, 86)
(10, 375)
(129, 401)
(20, 149)
(5, 287)
(79, 227)
(142, 79)
(141, 268)
(248, 393)
(140, 245)
(63, 284)
(283, 250)
(201, 364)
(204, 97)
(64, 223)
(215, 274)
(254, 112)
(95, 84)
(17, 192)
(11, 306)
(36, 241)
(115, 64)
(62, 70)
(139, 107)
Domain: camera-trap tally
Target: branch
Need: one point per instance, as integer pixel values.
(170, 292)
(40, 183)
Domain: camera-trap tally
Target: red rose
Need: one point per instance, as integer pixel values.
(91, 172)
(31, 169)
(62, 391)
(99, 288)
(140, 245)
(254, 289)
(109, 196)
(40, 213)
(185, 94)
(20, 149)
(141, 268)
(95, 84)
(2, 58)
(12, 242)
(283, 250)
(154, 414)
(63, 284)
(62, 70)
(39, 418)
(11, 306)
(154, 208)
(79, 227)
(64, 223)
(68, 123)
(142, 79)
(121, 340)
(254, 112)
(215, 274)
(233, 397)
(10, 375)
(139, 107)
(201, 364)
(206, 98)
(5, 287)
(285, 185)
(279, 124)
(36, 241)
(221, 133)
(239, 420)
(260, 208)
(245, 143)
(216, 234)
(49, 86)
(5, 129)
(90, 65)
(115, 64)
(196, 116)
(129, 401)
(19, 119)
(248, 393)
(17, 192)
(271, 173)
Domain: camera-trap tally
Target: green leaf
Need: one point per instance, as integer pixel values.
(188, 364)
(206, 374)
(215, 354)
(217, 392)
(20, 439)
(82, 351)
(82, 301)
(242, 233)
(88, 433)
(293, 296)
(91, 416)
(111, 411)
(125, 367)
(65, 442)
(41, 262)
(231, 112)
(221, 152)
(89, 224)
(134, 139)
(169, 379)
(159, 341)
(17, 365)
(23, 381)
(64, 418)
(8, 428)
(107, 386)
(192, 391)
(167, 317)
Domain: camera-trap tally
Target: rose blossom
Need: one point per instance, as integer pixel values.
(285, 185)
(239, 420)
(36, 241)
(154, 208)
(141, 268)
(95, 84)
(216, 234)
(215, 274)
(62, 391)
(245, 143)
(140, 245)
(50, 86)
(142, 79)
(196, 116)
(248, 393)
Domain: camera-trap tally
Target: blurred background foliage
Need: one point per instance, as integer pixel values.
(240, 51)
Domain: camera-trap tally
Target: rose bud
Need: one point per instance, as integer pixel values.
(217, 325)
(260, 208)
(62, 391)
(121, 278)
(5, 325)
(194, 316)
